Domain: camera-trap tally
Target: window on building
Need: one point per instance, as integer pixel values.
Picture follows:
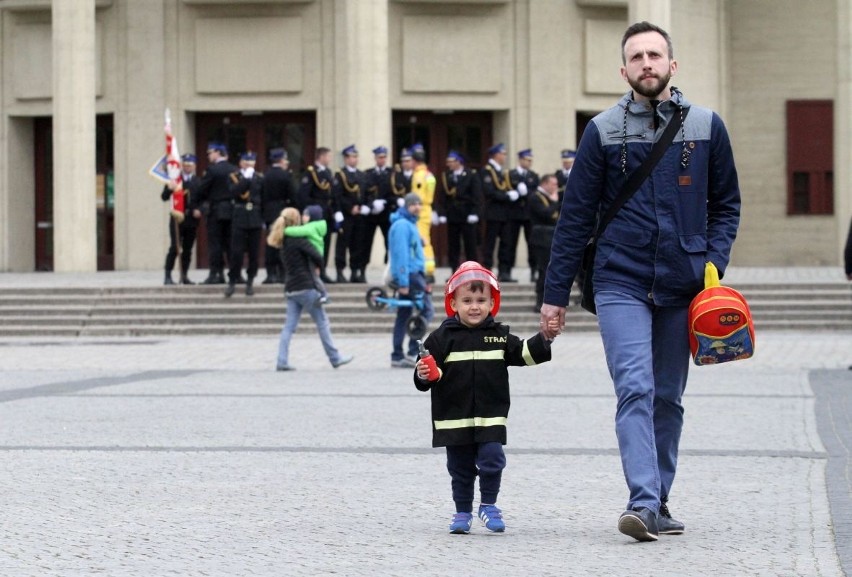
(810, 157)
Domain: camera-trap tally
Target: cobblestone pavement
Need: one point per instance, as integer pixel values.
(191, 456)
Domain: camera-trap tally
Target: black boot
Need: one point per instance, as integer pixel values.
(325, 278)
(340, 276)
(211, 278)
(358, 276)
(271, 276)
(506, 276)
(250, 287)
(168, 280)
(184, 279)
(230, 290)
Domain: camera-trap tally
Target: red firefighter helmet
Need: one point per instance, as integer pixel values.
(466, 273)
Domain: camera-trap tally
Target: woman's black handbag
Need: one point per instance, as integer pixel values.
(587, 297)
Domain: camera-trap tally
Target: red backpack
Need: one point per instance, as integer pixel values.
(721, 328)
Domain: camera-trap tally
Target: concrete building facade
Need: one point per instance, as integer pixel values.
(85, 84)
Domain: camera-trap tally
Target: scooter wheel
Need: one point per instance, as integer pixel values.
(416, 327)
(373, 294)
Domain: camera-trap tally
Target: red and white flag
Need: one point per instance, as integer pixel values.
(173, 169)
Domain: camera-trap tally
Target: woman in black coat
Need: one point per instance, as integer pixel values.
(298, 258)
(543, 207)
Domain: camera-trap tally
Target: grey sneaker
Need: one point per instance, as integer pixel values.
(343, 361)
(639, 523)
(404, 363)
(285, 368)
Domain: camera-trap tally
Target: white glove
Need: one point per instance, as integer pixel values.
(522, 188)
(378, 205)
(513, 195)
(442, 220)
(365, 210)
(400, 202)
(248, 171)
(434, 218)
(472, 219)
(338, 217)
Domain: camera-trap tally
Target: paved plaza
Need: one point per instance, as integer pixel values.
(191, 456)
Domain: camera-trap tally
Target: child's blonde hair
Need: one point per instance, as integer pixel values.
(289, 217)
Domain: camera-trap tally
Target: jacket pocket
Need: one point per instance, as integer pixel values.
(694, 243)
(628, 236)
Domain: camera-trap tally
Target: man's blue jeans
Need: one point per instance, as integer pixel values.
(297, 302)
(416, 286)
(647, 352)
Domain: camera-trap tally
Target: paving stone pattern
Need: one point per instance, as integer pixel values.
(192, 456)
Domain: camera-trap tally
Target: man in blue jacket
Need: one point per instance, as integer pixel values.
(649, 262)
(408, 268)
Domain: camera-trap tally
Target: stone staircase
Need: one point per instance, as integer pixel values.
(157, 311)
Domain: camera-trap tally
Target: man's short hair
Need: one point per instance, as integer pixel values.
(640, 28)
(545, 178)
(322, 150)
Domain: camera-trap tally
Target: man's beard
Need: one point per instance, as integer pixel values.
(653, 91)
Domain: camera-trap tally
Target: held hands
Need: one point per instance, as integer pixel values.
(338, 217)
(435, 219)
(365, 210)
(400, 202)
(378, 205)
(513, 195)
(472, 219)
(552, 321)
(522, 188)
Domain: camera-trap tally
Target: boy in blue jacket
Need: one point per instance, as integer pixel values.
(470, 393)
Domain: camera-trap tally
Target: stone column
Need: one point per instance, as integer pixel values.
(361, 71)
(843, 125)
(657, 12)
(75, 234)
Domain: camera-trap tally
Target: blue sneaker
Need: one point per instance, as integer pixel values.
(461, 523)
(492, 517)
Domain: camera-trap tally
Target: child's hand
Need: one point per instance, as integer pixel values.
(422, 370)
(553, 327)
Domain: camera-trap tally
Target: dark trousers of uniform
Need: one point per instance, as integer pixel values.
(502, 230)
(272, 259)
(458, 233)
(218, 242)
(370, 225)
(526, 226)
(187, 241)
(360, 246)
(244, 240)
(326, 241)
(465, 462)
(350, 239)
(542, 259)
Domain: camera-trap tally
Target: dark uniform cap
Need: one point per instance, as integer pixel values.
(248, 156)
(526, 153)
(189, 158)
(453, 155)
(349, 150)
(277, 154)
(404, 153)
(380, 150)
(568, 153)
(497, 148)
(218, 147)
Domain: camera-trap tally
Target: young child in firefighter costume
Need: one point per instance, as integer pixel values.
(470, 390)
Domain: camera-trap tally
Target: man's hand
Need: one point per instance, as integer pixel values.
(196, 213)
(552, 320)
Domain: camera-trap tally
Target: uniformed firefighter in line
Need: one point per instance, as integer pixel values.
(246, 222)
(278, 192)
(401, 178)
(182, 234)
(348, 191)
(460, 204)
(215, 192)
(315, 188)
(562, 174)
(525, 180)
(500, 199)
(380, 199)
(423, 184)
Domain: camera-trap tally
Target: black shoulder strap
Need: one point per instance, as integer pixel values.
(640, 174)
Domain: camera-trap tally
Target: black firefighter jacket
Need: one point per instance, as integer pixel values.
(470, 403)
